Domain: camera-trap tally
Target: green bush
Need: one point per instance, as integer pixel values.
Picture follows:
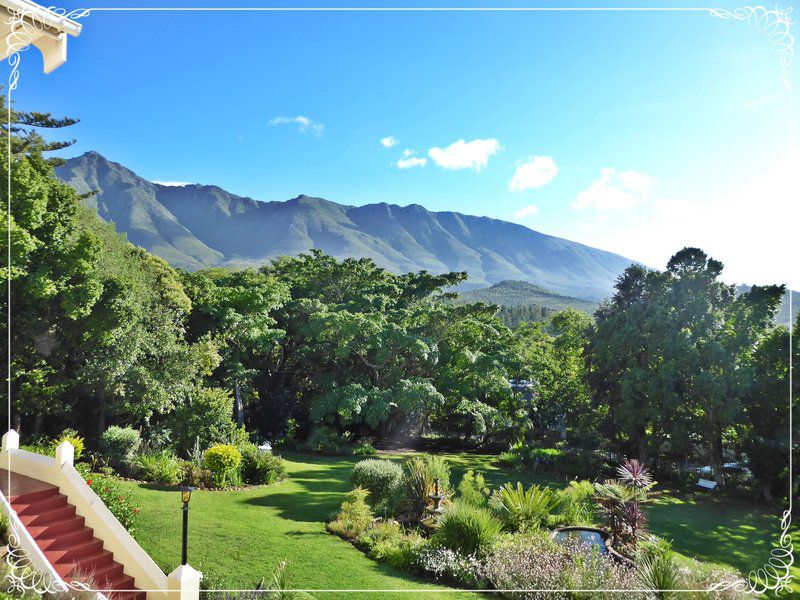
(383, 479)
(399, 552)
(223, 461)
(196, 476)
(205, 416)
(522, 510)
(570, 462)
(119, 446)
(577, 505)
(364, 448)
(326, 440)
(261, 467)
(118, 502)
(467, 529)
(472, 489)
(354, 517)
(421, 473)
(159, 467)
(71, 436)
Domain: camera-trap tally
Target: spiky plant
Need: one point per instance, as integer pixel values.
(659, 573)
(522, 510)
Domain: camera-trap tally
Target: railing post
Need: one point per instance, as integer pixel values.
(65, 453)
(184, 583)
(10, 440)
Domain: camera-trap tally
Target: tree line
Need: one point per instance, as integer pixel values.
(673, 367)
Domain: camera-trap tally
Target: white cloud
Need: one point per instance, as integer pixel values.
(172, 183)
(750, 227)
(465, 155)
(409, 161)
(536, 172)
(526, 211)
(304, 124)
(613, 191)
(389, 141)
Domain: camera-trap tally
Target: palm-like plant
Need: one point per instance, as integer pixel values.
(658, 573)
(522, 509)
(620, 503)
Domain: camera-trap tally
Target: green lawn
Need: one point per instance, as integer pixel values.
(243, 535)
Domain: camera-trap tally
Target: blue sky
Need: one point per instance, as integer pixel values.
(634, 132)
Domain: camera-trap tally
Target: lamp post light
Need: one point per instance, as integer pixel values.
(186, 495)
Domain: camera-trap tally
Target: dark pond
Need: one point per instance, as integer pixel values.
(588, 537)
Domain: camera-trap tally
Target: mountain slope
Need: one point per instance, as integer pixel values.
(522, 293)
(201, 225)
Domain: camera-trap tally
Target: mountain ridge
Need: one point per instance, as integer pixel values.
(200, 225)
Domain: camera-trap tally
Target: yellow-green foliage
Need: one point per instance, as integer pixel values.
(354, 517)
(222, 460)
(71, 436)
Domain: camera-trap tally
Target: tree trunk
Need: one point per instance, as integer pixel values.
(238, 407)
(37, 424)
(766, 491)
(17, 422)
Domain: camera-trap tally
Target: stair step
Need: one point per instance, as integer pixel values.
(49, 516)
(76, 552)
(40, 505)
(103, 576)
(129, 596)
(50, 530)
(33, 496)
(66, 540)
(123, 582)
(95, 561)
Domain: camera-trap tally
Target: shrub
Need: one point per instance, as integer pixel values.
(326, 440)
(448, 566)
(658, 572)
(536, 563)
(383, 479)
(159, 467)
(223, 461)
(421, 473)
(571, 462)
(261, 467)
(206, 416)
(386, 542)
(71, 436)
(4, 525)
(472, 489)
(364, 448)
(196, 476)
(118, 502)
(522, 510)
(354, 516)
(467, 529)
(119, 446)
(577, 505)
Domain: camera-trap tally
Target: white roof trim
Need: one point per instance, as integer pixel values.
(25, 23)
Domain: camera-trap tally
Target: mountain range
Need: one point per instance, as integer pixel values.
(195, 226)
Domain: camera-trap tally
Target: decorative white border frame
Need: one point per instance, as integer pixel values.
(775, 24)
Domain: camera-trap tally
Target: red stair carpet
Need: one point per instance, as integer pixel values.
(67, 543)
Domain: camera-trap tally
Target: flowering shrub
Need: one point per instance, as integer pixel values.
(448, 566)
(118, 502)
(536, 563)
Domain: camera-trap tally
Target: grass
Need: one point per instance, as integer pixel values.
(243, 535)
